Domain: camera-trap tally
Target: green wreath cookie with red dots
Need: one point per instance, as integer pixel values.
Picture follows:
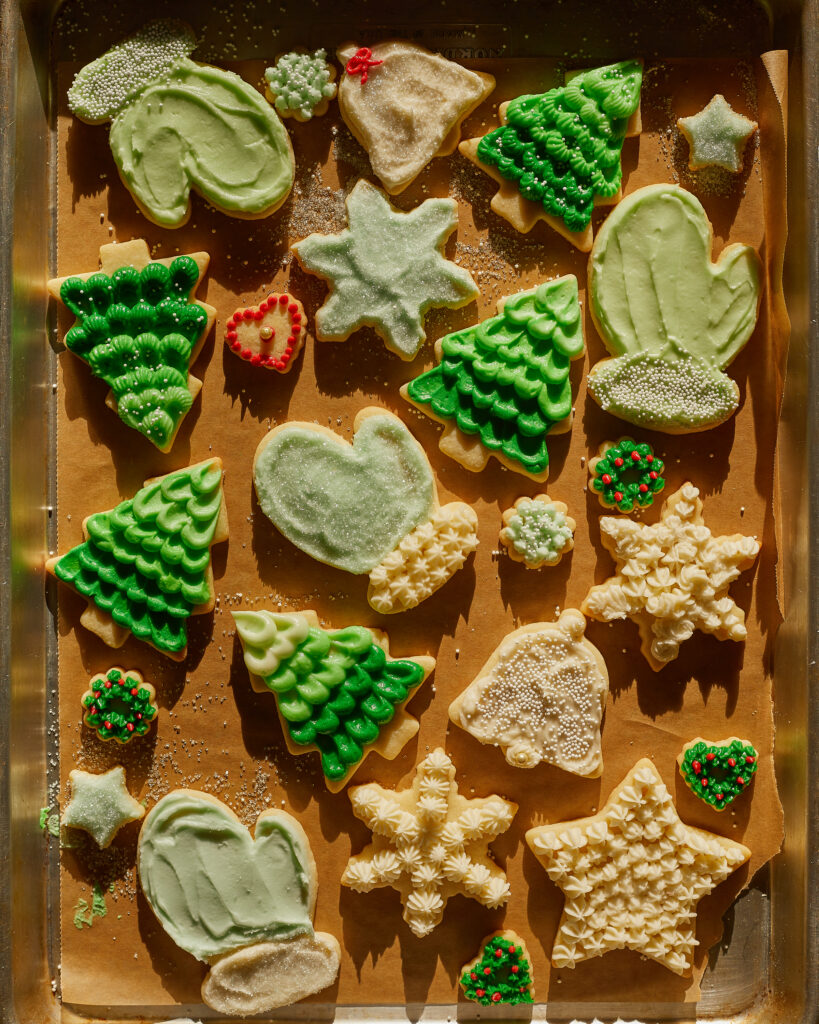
(269, 335)
(500, 973)
(119, 705)
(626, 475)
(718, 772)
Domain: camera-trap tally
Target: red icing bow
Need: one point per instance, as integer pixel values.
(361, 62)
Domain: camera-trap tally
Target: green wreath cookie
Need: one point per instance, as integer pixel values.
(718, 772)
(626, 474)
(119, 705)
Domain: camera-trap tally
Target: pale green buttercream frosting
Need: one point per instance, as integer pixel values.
(212, 886)
(347, 506)
(538, 531)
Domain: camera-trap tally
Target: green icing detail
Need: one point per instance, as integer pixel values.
(146, 562)
(212, 886)
(137, 330)
(206, 128)
(347, 506)
(84, 915)
(709, 774)
(501, 984)
(506, 379)
(659, 393)
(636, 479)
(562, 147)
(538, 531)
(118, 707)
(335, 690)
(300, 82)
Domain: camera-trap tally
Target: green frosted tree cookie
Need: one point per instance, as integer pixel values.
(337, 691)
(500, 973)
(145, 565)
(138, 329)
(503, 385)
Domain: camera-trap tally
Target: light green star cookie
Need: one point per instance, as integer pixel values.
(386, 269)
(717, 136)
(101, 804)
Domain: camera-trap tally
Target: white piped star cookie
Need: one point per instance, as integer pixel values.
(717, 136)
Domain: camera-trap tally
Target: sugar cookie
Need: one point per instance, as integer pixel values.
(500, 973)
(718, 772)
(537, 531)
(177, 125)
(717, 136)
(301, 85)
(100, 804)
(139, 329)
(244, 904)
(540, 697)
(625, 474)
(337, 692)
(672, 577)
(557, 155)
(144, 566)
(271, 334)
(632, 875)
(405, 105)
(429, 843)
(671, 318)
(119, 705)
(366, 507)
(386, 270)
(503, 385)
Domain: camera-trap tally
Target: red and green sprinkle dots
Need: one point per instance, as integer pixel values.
(626, 475)
(501, 972)
(718, 772)
(119, 705)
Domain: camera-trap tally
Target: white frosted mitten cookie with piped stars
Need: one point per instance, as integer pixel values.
(405, 105)
(537, 531)
(671, 318)
(241, 903)
(632, 875)
(540, 697)
(386, 270)
(672, 577)
(429, 843)
(370, 506)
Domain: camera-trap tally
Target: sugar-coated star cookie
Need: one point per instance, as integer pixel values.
(717, 136)
(100, 804)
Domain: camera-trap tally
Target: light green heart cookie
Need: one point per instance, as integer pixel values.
(347, 505)
(213, 887)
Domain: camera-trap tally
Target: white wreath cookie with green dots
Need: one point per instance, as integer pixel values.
(540, 697)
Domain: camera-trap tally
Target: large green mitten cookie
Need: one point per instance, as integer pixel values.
(672, 319)
(177, 125)
(386, 269)
(242, 903)
(370, 506)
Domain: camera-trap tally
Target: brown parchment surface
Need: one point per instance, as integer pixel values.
(214, 733)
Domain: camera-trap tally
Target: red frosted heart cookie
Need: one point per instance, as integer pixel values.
(270, 334)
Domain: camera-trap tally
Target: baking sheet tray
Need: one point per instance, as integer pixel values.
(31, 515)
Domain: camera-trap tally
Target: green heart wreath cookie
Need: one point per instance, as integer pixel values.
(718, 772)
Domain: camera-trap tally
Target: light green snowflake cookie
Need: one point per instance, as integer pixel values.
(717, 136)
(301, 85)
(386, 269)
(537, 531)
(101, 804)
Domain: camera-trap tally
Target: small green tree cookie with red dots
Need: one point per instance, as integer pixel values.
(119, 705)
(626, 475)
(500, 973)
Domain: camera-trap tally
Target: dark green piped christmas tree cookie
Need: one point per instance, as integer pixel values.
(145, 565)
(500, 973)
(718, 772)
(626, 475)
(337, 691)
(503, 385)
(139, 330)
(557, 154)
(119, 705)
